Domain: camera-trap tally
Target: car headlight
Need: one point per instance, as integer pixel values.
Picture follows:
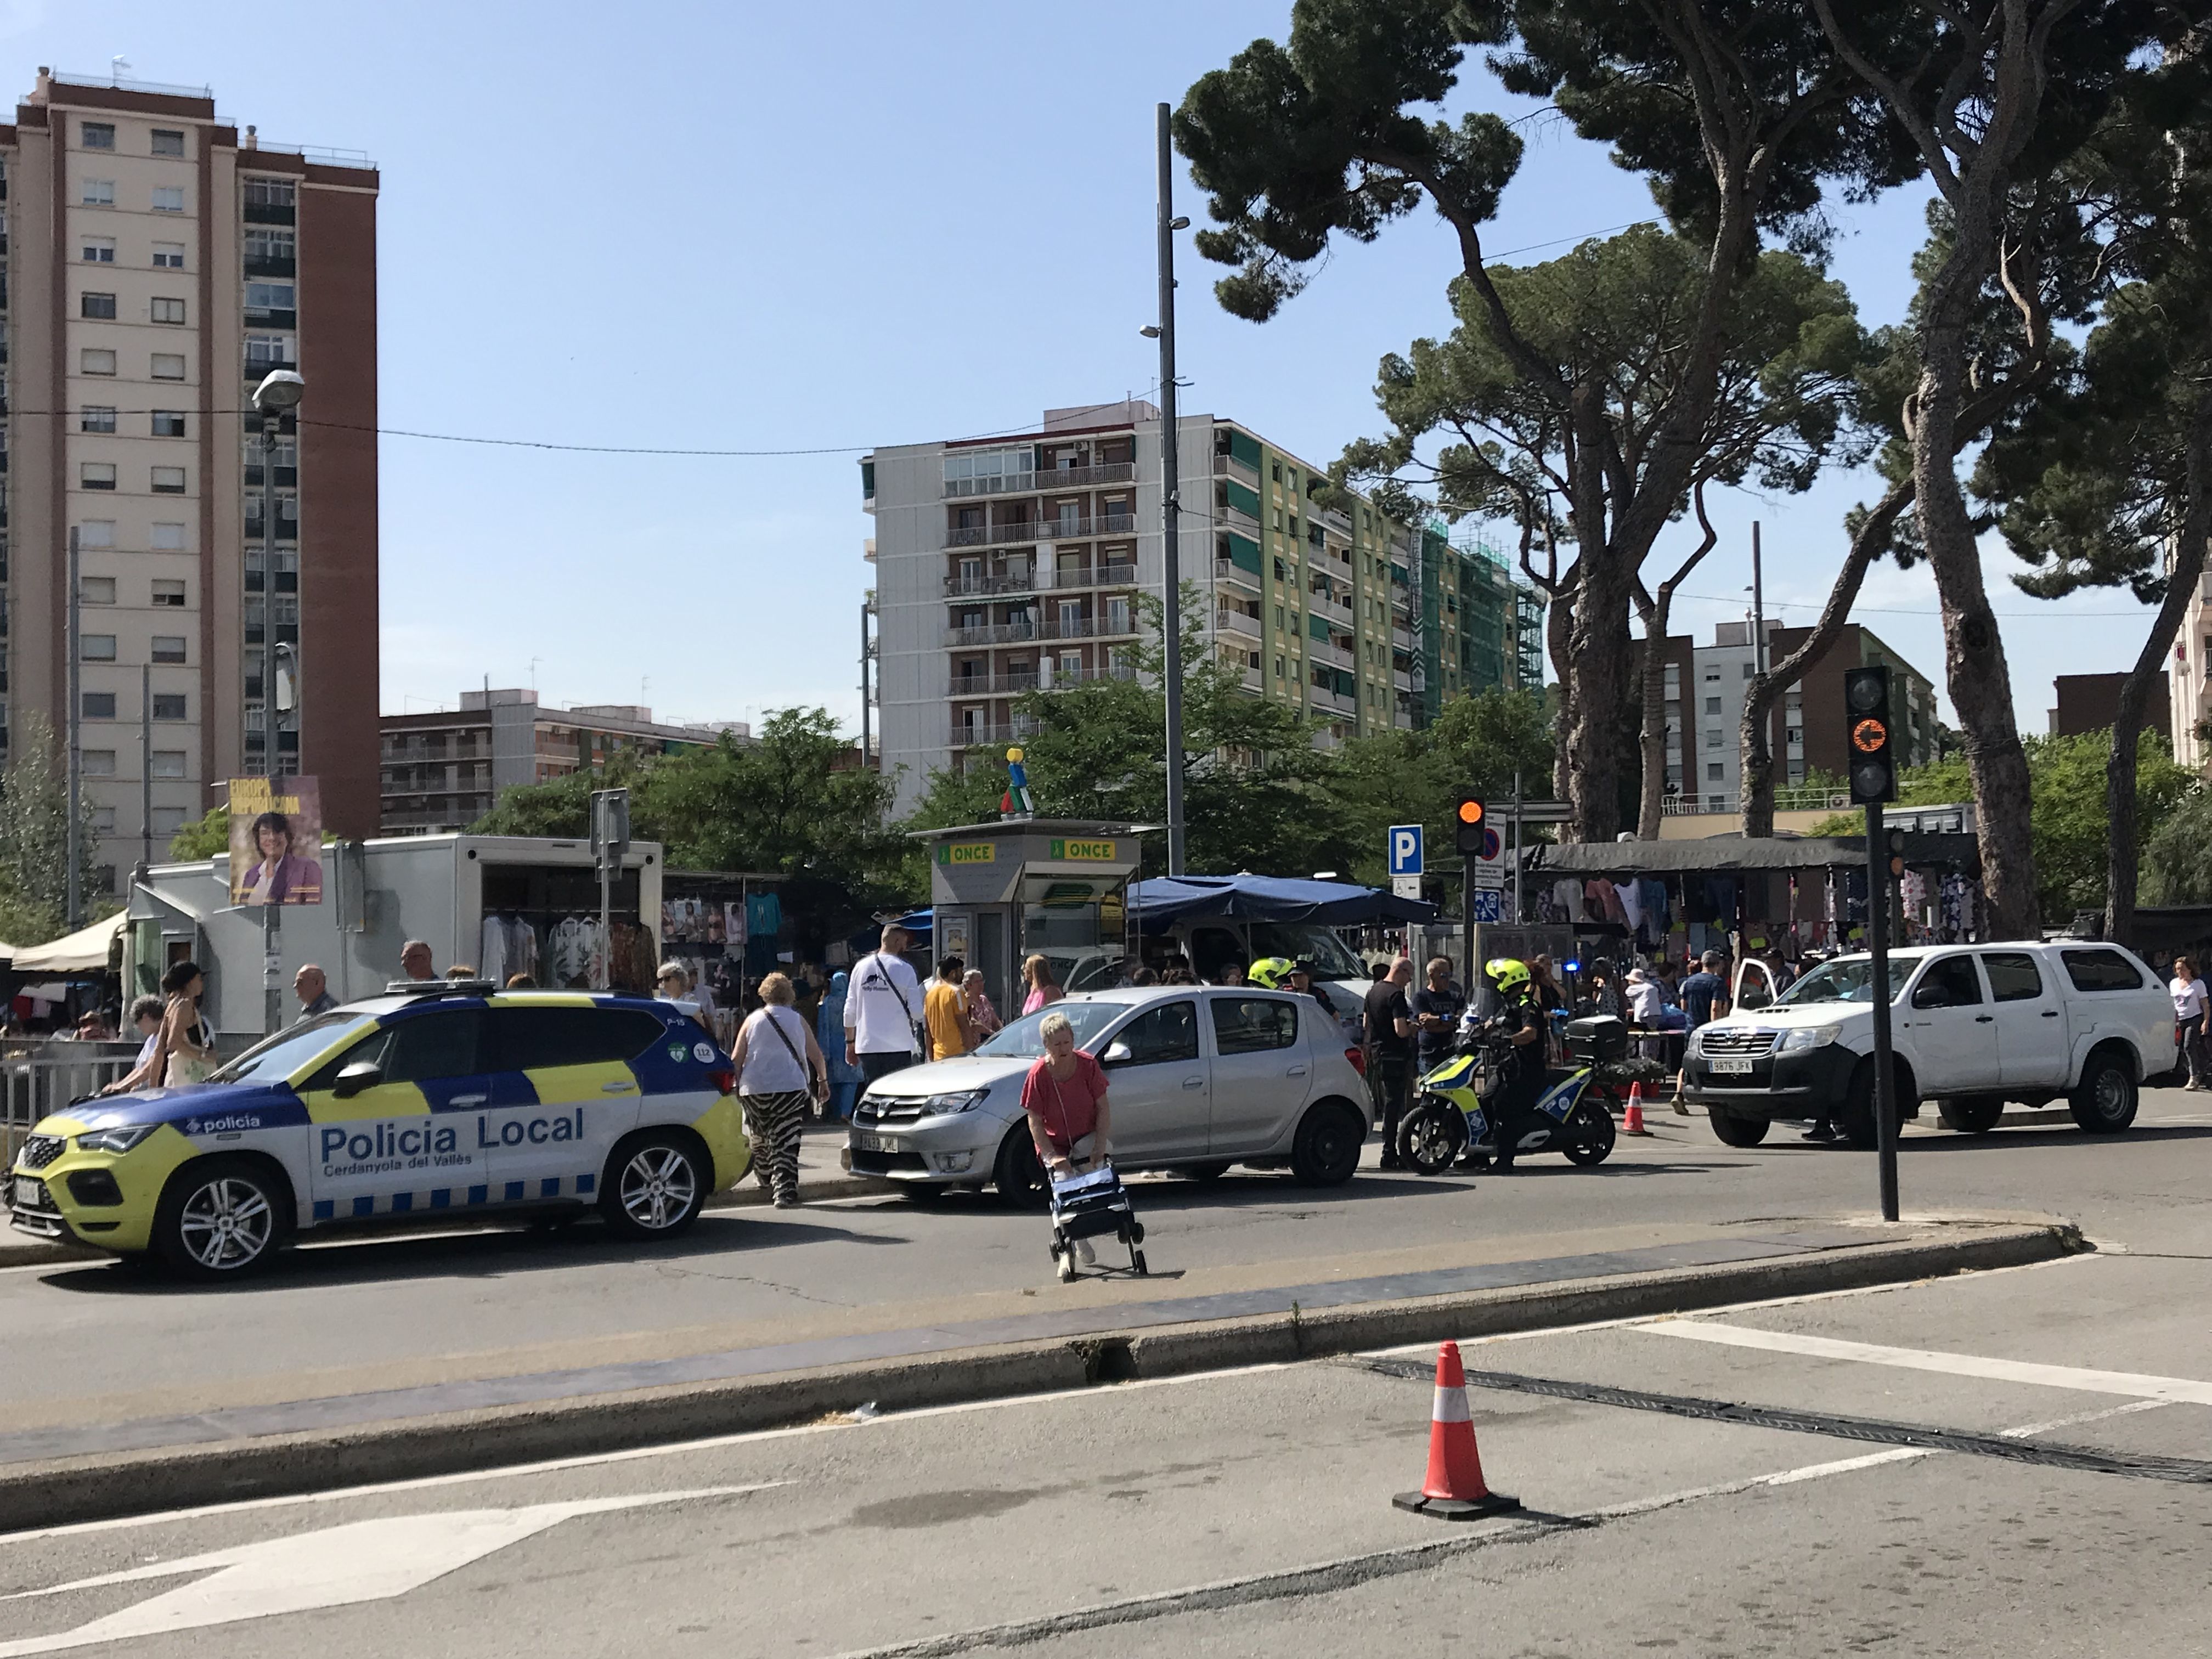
(115, 1140)
(1696, 1045)
(1809, 1037)
(959, 1101)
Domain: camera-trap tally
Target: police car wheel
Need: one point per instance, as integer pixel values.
(655, 1186)
(221, 1218)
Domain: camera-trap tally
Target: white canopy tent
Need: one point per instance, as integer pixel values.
(84, 951)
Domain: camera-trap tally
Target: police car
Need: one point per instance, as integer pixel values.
(439, 1098)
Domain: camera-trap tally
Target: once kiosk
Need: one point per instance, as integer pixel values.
(1006, 891)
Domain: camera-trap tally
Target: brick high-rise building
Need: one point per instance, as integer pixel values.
(159, 264)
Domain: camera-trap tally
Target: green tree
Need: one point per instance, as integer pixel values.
(1729, 106)
(2177, 861)
(34, 838)
(205, 837)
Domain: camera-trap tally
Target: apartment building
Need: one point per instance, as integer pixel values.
(1010, 565)
(443, 771)
(1704, 688)
(2082, 703)
(2189, 681)
(1479, 628)
(160, 263)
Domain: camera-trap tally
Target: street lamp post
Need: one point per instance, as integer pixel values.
(279, 393)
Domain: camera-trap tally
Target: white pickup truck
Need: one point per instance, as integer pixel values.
(1973, 1026)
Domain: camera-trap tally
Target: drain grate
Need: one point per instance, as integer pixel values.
(1873, 1430)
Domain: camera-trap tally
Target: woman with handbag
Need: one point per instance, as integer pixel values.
(185, 1051)
(781, 1072)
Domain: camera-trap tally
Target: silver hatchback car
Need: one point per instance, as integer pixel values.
(1199, 1077)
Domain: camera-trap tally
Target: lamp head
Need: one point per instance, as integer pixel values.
(280, 391)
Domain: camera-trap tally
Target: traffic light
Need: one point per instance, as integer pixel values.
(1870, 737)
(1469, 823)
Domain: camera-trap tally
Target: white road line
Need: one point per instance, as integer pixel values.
(2080, 1418)
(2135, 1384)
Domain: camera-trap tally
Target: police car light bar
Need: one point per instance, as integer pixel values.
(439, 988)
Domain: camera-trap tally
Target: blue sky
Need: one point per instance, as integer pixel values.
(750, 226)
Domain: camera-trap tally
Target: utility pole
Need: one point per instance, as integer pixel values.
(864, 684)
(73, 790)
(1758, 607)
(145, 769)
(272, 966)
(1170, 499)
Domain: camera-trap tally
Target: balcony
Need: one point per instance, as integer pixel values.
(1228, 466)
(964, 735)
(1021, 633)
(1040, 529)
(271, 267)
(1228, 570)
(266, 213)
(1041, 580)
(991, 685)
(1335, 656)
(1327, 703)
(1030, 483)
(1252, 681)
(1401, 679)
(1329, 610)
(1226, 621)
(1402, 639)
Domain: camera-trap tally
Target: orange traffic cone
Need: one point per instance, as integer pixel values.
(1632, 1120)
(1454, 1490)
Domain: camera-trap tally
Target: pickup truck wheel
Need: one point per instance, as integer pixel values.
(2106, 1102)
(1855, 1117)
(1970, 1115)
(1733, 1131)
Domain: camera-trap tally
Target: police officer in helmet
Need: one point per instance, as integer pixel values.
(1521, 1067)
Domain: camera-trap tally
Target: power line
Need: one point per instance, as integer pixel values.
(1900, 610)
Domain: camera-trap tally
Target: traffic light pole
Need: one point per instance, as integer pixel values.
(1885, 1072)
(1467, 908)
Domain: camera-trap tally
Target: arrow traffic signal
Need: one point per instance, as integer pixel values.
(1468, 817)
(1872, 739)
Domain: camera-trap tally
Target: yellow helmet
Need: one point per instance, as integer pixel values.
(1269, 972)
(1509, 974)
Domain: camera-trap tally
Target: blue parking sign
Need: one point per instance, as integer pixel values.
(1405, 845)
(1488, 902)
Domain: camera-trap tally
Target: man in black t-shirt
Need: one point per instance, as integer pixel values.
(1387, 1031)
(1437, 1007)
(1521, 1065)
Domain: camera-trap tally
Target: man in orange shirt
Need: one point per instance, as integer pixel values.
(944, 1012)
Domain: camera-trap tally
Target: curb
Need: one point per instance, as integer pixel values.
(64, 1490)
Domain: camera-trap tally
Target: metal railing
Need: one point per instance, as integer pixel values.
(991, 685)
(1028, 483)
(166, 89)
(1086, 628)
(1228, 466)
(1041, 579)
(1228, 570)
(1236, 622)
(965, 736)
(1040, 529)
(34, 1088)
(1798, 799)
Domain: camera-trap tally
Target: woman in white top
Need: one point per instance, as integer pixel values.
(779, 1072)
(145, 1014)
(2192, 1020)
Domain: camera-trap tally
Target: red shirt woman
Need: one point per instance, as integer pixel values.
(1065, 1095)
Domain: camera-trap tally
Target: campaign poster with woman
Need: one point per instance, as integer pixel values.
(275, 841)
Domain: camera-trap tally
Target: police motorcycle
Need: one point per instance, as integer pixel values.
(1454, 1109)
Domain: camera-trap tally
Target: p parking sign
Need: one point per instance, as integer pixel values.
(1405, 849)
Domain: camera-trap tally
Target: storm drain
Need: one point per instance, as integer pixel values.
(1872, 1431)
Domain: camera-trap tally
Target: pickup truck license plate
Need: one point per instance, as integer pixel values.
(28, 1195)
(1731, 1067)
(868, 1143)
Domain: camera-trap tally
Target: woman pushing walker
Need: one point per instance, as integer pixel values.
(1064, 1096)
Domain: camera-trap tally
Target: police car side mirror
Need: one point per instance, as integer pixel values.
(361, 1074)
(1117, 1054)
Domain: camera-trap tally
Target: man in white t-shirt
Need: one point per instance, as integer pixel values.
(883, 1004)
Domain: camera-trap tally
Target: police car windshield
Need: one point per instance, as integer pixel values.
(1850, 980)
(1020, 1040)
(273, 1059)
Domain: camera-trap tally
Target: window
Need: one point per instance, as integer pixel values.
(103, 820)
(98, 763)
(169, 591)
(1248, 1025)
(96, 590)
(267, 351)
(1713, 738)
(100, 307)
(168, 481)
(268, 193)
(96, 475)
(168, 198)
(169, 256)
(2100, 970)
(1750, 669)
(168, 423)
(168, 310)
(1712, 676)
(1949, 982)
(168, 762)
(91, 361)
(1158, 1036)
(264, 297)
(167, 820)
(168, 647)
(1712, 705)
(97, 250)
(96, 135)
(96, 532)
(168, 538)
(167, 142)
(96, 417)
(97, 647)
(169, 705)
(99, 705)
(525, 1038)
(1712, 772)
(99, 192)
(266, 246)
(2012, 976)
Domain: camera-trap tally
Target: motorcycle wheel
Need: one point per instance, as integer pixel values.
(1430, 1137)
(1589, 1135)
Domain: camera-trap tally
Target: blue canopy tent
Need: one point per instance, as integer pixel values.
(1165, 900)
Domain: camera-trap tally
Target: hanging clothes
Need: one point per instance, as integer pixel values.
(1567, 895)
(1630, 900)
(491, 951)
(763, 916)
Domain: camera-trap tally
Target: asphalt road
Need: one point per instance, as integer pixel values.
(354, 1315)
(1248, 1513)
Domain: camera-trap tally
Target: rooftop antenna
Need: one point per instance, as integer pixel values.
(116, 66)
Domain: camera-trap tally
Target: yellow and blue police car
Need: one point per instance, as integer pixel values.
(430, 1098)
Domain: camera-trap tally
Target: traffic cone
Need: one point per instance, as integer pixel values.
(1454, 1490)
(1633, 1120)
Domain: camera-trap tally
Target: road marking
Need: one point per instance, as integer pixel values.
(633, 1455)
(337, 1567)
(2080, 1418)
(2137, 1384)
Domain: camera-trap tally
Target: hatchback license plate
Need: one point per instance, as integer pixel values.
(867, 1143)
(30, 1195)
(1731, 1068)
